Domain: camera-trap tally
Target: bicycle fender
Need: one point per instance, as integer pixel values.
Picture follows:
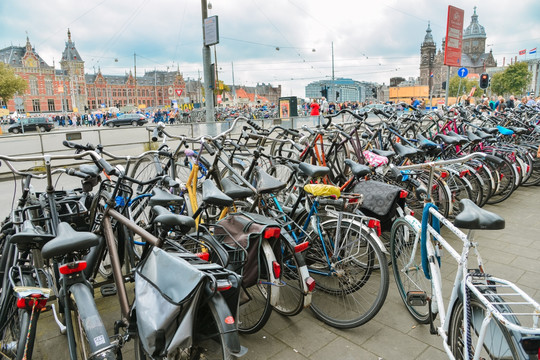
(417, 226)
(374, 236)
(271, 257)
(228, 322)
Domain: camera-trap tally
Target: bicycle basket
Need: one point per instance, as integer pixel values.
(164, 306)
(245, 230)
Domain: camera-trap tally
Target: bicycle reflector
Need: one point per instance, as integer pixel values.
(271, 233)
(203, 256)
(28, 302)
(72, 267)
(444, 174)
(310, 282)
(276, 268)
(375, 224)
(403, 194)
(301, 247)
(223, 285)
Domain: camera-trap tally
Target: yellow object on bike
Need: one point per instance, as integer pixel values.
(322, 190)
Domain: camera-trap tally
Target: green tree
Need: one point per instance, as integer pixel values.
(463, 85)
(10, 83)
(514, 80)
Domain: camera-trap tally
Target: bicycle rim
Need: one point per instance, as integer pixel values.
(352, 286)
(497, 343)
(407, 266)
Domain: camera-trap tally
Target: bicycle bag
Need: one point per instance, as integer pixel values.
(245, 230)
(167, 291)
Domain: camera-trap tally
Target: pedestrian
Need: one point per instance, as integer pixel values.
(492, 103)
(414, 102)
(324, 106)
(510, 102)
(314, 108)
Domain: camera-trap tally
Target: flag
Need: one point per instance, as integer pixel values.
(431, 75)
(522, 52)
(532, 51)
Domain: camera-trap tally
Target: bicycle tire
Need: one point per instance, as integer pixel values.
(506, 183)
(498, 343)
(358, 293)
(407, 267)
(291, 291)
(255, 307)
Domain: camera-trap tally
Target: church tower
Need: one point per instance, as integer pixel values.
(73, 69)
(428, 50)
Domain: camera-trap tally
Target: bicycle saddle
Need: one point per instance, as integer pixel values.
(68, 241)
(483, 135)
(449, 140)
(165, 217)
(357, 169)
(462, 139)
(313, 171)
(386, 153)
(234, 190)
(473, 138)
(475, 218)
(404, 151)
(213, 196)
(30, 236)
(267, 183)
(425, 142)
(164, 198)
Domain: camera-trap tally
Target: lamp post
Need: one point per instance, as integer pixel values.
(207, 69)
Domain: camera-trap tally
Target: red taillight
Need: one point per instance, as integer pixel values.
(444, 174)
(276, 268)
(229, 320)
(463, 173)
(403, 194)
(271, 232)
(375, 224)
(203, 256)
(73, 267)
(310, 282)
(223, 285)
(28, 302)
(301, 247)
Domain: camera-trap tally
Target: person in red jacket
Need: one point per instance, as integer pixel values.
(314, 108)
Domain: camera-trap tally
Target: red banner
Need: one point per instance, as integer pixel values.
(178, 91)
(454, 36)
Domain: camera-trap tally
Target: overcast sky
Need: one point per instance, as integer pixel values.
(373, 40)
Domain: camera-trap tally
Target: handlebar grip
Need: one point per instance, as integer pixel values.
(254, 125)
(308, 129)
(155, 134)
(298, 147)
(108, 168)
(73, 172)
(209, 148)
(164, 153)
(73, 145)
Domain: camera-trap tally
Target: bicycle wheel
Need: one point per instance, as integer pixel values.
(351, 274)
(14, 332)
(291, 292)
(407, 266)
(255, 308)
(498, 343)
(506, 184)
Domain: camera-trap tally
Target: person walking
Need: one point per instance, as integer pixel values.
(315, 107)
(324, 106)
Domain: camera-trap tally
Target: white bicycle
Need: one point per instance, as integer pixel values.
(486, 317)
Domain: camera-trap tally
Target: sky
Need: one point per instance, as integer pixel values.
(277, 42)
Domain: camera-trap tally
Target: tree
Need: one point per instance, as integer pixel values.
(10, 83)
(514, 80)
(463, 85)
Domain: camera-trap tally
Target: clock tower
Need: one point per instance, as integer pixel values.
(73, 71)
(428, 50)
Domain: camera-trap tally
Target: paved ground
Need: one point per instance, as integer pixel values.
(513, 253)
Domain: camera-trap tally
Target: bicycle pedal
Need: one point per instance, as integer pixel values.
(417, 298)
(108, 290)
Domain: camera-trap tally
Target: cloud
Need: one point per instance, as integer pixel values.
(372, 41)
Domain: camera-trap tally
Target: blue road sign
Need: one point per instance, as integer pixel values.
(462, 72)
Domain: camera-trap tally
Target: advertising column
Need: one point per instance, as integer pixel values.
(454, 37)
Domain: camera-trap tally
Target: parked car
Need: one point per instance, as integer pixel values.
(31, 124)
(127, 119)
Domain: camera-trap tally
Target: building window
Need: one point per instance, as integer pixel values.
(35, 105)
(33, 86)
(124, 92)
(99, 92)
(49, 87)
(50, 104)
(114, 92)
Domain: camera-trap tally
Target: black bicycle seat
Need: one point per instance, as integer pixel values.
(167, 218)
(475, 218)
(30, 237)
(357, 169)
(68, 241)
(234, 190)
(164, 198)
(313, 171)
(213, 196)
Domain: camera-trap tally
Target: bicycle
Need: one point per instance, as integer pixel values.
(480, 304)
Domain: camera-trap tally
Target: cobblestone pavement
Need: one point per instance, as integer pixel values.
(512, 253)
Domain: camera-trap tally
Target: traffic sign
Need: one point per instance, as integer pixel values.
(462, 72)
